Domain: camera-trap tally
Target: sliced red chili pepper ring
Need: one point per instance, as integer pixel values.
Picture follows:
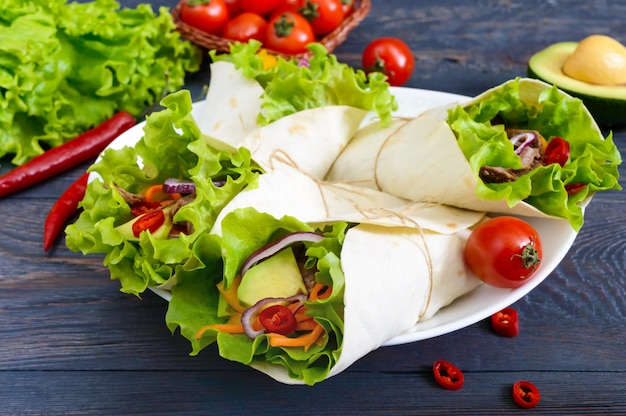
(505, 322)
(150, 221)
(448, 375)
(278, 319)
(557, 151)
(526, 394)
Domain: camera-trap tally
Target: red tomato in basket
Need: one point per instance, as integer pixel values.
(324, 15)
(262, 7)
(504, 251)
(288, 33)
(233, 6)
(347, 6)
(207, 15)
(246, 26)
(390, 56)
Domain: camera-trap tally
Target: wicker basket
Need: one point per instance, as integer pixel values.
(330, 41)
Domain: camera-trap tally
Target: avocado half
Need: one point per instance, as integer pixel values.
(607, 104)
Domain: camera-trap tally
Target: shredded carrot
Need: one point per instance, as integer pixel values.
(301, 316)
(230, 328)
(230, 295)
(319, 291)
(151, 192)
(306, 340)
(154, 193)
(307, 325)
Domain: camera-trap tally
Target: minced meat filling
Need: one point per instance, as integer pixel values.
(530, 154)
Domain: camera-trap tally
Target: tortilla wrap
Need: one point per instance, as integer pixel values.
(232, 105)
(397, 259)
(400, 266)
(421, 160)
(288, 191)
(311, 138)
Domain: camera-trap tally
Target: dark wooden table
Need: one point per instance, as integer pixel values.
(71, 343)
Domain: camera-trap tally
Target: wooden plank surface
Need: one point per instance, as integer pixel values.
(71, 343)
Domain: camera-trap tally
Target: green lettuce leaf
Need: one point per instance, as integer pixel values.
(172, 147)
(593, 160)
(195, 298)
(291, 87)
(67, 67)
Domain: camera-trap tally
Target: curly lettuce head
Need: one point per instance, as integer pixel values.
(66, 67)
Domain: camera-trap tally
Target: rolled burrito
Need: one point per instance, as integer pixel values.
(350, 284)
(492, 153)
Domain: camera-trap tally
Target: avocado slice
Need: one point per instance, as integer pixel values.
(606, 103)
(276, 277)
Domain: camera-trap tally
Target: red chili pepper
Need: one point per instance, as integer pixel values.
(448, 375)
(526, 394)
(150, 221)
(557, 151)
(278, 319)
(63, 209)
(574, 188)
(505, 322)
(85, 147)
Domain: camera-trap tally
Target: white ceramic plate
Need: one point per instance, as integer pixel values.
(557, 237)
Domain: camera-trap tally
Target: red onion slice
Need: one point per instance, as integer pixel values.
(177, 186)
(273, 248)
(522, 140)
(247, 318)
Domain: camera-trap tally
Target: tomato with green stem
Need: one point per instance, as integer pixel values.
(347, 6)
(504, 251)
(392, 57)
(289, 33)
(210, 16)
(324, 15)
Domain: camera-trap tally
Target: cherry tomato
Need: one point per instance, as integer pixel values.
(504, 251)
(207, 15)
(233, 6)
(246, 26)
(289, 33)
(278, 319)
(262, 7)
(287, 7)
(390, 56)
(557, 151)
(347, 6)
(324, 15)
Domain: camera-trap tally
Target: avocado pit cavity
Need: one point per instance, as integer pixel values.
(599, 60)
